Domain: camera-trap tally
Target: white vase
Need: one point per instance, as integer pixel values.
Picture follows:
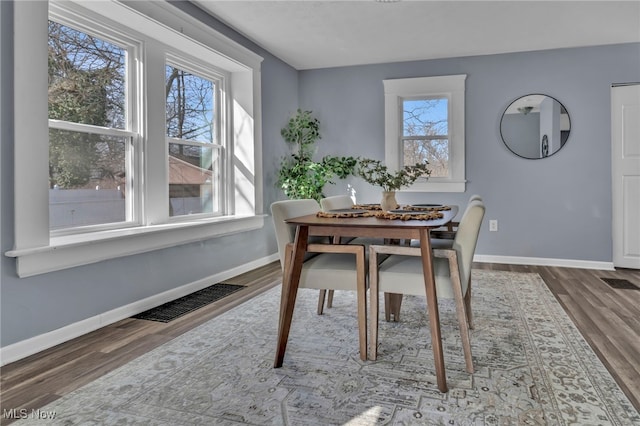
(388, 201)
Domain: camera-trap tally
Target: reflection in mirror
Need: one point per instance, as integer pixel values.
(535, 126)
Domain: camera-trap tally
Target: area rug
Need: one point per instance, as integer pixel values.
(532, 368)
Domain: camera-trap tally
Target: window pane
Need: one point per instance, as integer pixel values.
(425, 117)
(190, 106)
(86, 78)
(193, 186)
(86, 179)
(434, 151)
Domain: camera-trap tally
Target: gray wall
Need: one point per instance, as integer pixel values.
(36, 305)
(558, 207)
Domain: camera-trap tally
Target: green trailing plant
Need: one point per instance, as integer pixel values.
(376, 173)
(299, 175)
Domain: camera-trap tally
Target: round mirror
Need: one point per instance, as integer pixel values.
(535, 126)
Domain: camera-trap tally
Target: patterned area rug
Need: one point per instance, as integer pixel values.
(532, 368)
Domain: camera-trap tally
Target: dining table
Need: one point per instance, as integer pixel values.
(368, 227)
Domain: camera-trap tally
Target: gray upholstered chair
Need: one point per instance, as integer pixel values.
(402, 273)
(336, 202)
(339, 202)
(443, 238)
(327, 266)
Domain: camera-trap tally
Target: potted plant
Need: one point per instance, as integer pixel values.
(299, 175)
(376, 173)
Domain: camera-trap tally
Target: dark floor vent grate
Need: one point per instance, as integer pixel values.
(176, 308)
(620, 284)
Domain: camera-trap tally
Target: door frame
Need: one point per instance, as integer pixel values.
(619, 234)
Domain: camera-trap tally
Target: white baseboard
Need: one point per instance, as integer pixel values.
(542, 261)
(35, 344)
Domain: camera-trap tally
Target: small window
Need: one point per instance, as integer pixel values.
(424, 121)
(425, 134)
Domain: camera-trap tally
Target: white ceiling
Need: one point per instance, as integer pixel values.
(311, 34)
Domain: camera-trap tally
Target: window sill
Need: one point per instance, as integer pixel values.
(76, 250)
(433, 186)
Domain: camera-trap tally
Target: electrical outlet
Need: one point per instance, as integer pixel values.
(493, 225)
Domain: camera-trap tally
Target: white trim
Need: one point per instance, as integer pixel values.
(24, 348)
(40, 251)
(82, 249)
(542, 261)
(89, 128)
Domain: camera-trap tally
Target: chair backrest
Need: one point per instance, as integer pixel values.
(466, 239)
(336, 202)
(282, 210)
(475, 197)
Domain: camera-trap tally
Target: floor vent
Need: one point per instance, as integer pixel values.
(620, 284)
(176, 308)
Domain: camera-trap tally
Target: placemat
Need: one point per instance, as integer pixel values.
(367, 207)
(347, 214)
(425, 208)
(433, 215)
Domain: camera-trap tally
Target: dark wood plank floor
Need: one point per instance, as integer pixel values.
(609, 319)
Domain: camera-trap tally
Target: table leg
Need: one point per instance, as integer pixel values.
(432, 303)
(290, 282)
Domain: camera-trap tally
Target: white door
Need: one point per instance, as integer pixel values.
(625, 134)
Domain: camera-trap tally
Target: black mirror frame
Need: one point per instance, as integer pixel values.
(563, 108)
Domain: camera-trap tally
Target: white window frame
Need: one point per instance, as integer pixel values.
(131, 131)
(220, 139)
(36, 250)
(453, 88)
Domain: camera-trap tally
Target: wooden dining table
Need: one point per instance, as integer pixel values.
(371, 227)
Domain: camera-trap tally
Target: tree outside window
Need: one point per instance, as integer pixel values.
(425, 134)
(87, 83)
(193, 138)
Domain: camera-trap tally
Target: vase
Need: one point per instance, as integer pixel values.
(388, 201)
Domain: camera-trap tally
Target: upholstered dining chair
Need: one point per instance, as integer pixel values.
(327, 266)
(339, 202)
(336, 202)
(442, 238)
(402, 273)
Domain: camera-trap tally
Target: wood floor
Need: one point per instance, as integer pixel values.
(608, 318)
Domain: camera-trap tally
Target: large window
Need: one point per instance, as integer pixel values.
(132, 133)
(90, 136)
(424, 121)
(193, 120)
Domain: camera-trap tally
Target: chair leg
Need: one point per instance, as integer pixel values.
(461, 310)
(387, 301)
(373, 305)
(392, 305)
(467, 304)
(361, 278)
(321, 301)
(321, 298)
